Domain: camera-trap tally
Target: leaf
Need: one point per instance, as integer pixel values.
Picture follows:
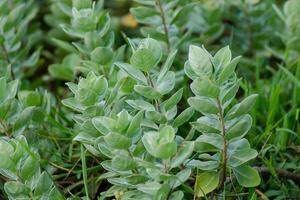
(29, 168)
(146, 15)
(104, 124)
(207, 125)
(204, 105)
(206, 182)
(133, 72)
(189, 71)
(123, 163)
(117, 141)
(241, 156)
(147, 91)
(160, 146)
(213, 139)
(61, 72)
(178, 195)
(102, 55)
(167, 65)
(246, 176)
(173, 100)
(123, 121)
(240, 128)
(222, 57)
(205, 87)
(166, 84)
(44, 184)
(183, 117)
(156, 117)
(64, 45)
(141, 105)
(135, 124)
(242, 108)
(162, 193)
(143, 59)
(228, 70)
(16, 189)
(199, 61)
(183, 154)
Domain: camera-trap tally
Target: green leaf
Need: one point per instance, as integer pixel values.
(104, 124)
(183, 154)
(222, 57)
(61, 72)
(241, 156)
(242, 108)
(141, 105)
(133, 72)
(44, 184)
(29, 168)
(64, 45)
(153, 46)
(123, 163)
(240, 128)
(205, 87)
(204, 105)
(16, 189)
(183, 117)
(91, 89)
(166, 84)
(146, 15)
(123, 120)
(178, 195)
(102, 55)
(162, 193)
(207, 125)
(246, 176)
(135, 124)
(117, 141)
(228, 70)
(143, 59)
(160, 144)
(29, 98)
(147, 91)
(206, 182)
(167, 65)
(189, 71)
(213, 139)
(199, 61)
(173, 100)
(155, 116)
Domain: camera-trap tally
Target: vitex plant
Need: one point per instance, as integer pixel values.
(20, 165)
(19, 51)
(169, 22)
(92, 50)
(222, 147)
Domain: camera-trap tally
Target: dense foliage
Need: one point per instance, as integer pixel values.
(149, 99)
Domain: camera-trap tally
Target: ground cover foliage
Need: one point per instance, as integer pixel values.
(149, 99)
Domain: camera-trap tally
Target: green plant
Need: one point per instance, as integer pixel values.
(148, 113)
(18, 38)
(221, 147)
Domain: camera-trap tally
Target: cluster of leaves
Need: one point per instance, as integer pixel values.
(18, 38)
(152, 115)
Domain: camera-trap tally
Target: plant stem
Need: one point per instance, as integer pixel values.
(84, 171)
(224, 153)
(163, 18)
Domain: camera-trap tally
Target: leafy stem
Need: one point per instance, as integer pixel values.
(224, 153)
(163, 18)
